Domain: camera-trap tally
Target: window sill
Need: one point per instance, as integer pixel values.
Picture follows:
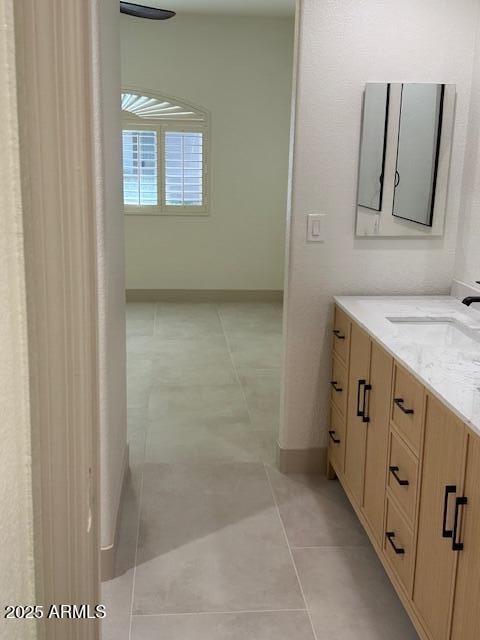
(175, 212)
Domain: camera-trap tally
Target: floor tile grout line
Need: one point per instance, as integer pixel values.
(147, 435)
(254, 431)
(237, 376)
(135, 562)
(268, 480)
(290, 551)
(215, 613)
(142, 474)
(242, 389)
(155, 319)
(267, 476)
(330, 546)
(137, 537)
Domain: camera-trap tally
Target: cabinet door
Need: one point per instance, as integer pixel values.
(356, 437)
(442, 483)
(378, 409)
(466, 611)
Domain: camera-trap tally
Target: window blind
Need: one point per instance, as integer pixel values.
(140, 167)
(183, 168)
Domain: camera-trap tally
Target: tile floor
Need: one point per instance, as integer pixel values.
(216, 544)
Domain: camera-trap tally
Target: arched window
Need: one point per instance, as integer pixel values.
(165, 160)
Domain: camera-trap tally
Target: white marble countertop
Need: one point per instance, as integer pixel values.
(444, 357)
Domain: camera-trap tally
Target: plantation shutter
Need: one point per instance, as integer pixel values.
(140, 168)
(184, 168)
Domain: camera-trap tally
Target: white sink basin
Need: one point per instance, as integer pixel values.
(439, 332)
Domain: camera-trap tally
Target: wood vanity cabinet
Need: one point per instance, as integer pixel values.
(411, 470)
(466, 607)
(364, 431)
(442, 483)
(356, 431)
(341, 335)
(402, 477)
(378, 411)
(337, 438)
(339, 388)
(407, 407)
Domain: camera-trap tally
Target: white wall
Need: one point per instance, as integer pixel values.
(467, 267)
(16, 520)
(342, 46)
(239, 68)
(111, 268)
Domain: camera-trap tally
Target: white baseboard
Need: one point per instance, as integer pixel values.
(203, 295)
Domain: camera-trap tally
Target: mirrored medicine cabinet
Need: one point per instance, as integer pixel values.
(406, 141)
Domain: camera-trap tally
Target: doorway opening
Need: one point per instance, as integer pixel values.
(206, 110)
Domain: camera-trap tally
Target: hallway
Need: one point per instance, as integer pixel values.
(214, 542)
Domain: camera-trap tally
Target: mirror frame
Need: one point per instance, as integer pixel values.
(381, 130)
(371, 223)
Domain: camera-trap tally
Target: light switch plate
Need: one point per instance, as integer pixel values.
(316, 227)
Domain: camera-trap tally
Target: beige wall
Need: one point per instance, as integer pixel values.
(467, 267)
(342, 46)
(16, 514)
(240, 70)
(111, 267)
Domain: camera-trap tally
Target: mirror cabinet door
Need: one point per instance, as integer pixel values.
(417, 153)
(372, 155)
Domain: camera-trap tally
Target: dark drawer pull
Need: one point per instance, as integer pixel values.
(398, 550)
(459, 502)
(338, 334)
(365, 416)
(332, 436)
(394, 471)
(399, 402)
(334, 384)
(359, 389)
(449, 489)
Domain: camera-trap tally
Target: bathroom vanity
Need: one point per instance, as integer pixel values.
(404, 441)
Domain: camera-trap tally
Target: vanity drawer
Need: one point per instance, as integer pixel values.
(407, 407)
(402, 478)
(336, 439)
(341, 334)
(398, 545)
(339, 384)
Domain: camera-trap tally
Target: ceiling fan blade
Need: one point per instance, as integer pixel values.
(140, 11)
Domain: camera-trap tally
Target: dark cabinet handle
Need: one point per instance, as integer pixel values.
(397, 179)
(359, 389)
(399, 402)
(334, 384)
(394, 471)
(366, 388)
(449, 489)
(338, 334)
(390, 537)
(332, 436)
(459, 502)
